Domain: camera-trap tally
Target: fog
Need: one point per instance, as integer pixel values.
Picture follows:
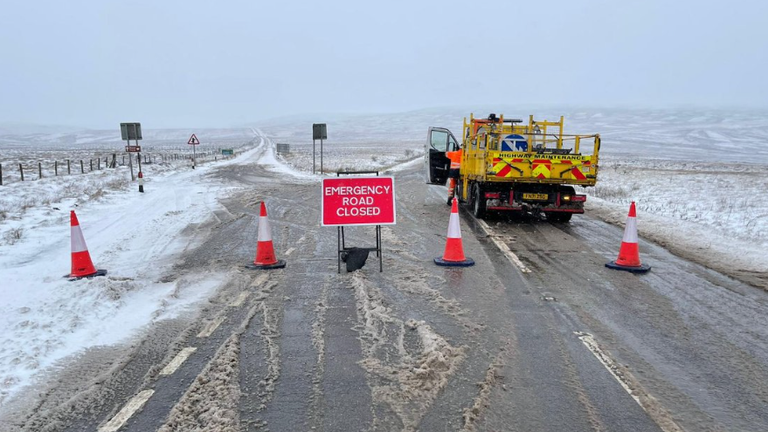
(217, 64)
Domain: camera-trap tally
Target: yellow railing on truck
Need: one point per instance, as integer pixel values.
(538, 152)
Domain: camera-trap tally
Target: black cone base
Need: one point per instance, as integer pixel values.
(466, 263)
(642, 268)
(99, 272)
(279, 264)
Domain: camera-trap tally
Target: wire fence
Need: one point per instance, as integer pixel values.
(35, 170)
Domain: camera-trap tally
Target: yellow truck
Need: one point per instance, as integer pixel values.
(508, 165)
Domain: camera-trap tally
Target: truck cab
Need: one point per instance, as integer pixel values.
(436, 164)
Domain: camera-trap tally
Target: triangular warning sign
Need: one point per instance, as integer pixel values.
(193, 140)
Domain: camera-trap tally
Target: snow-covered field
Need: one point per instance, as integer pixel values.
(698, 177)
(43, 317)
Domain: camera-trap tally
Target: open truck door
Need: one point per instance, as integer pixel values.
(439, 141)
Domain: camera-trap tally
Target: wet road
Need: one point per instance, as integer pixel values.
(538, 336)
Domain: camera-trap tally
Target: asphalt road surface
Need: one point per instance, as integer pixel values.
(537, 336)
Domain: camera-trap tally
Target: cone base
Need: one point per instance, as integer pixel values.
(99, 272)
(466, 263)
(642, 268)
(279, 264)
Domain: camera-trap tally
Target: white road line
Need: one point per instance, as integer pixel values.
(240, 299)
(128, 410)
(289, 251)
(504, 248)
(211, 327)
(180, 358)
(667, 425)
(260, 280)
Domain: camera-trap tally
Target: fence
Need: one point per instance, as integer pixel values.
(56, 168)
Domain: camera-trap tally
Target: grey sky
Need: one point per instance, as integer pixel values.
(224, 63)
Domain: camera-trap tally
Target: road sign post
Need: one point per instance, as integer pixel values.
(351, 201)
(128, 132)
(194, 142)
(319, 132)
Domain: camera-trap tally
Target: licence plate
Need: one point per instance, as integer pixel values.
(535, 196)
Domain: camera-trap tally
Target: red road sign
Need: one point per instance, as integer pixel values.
(133, 149)
(193, 140)
(358, 201)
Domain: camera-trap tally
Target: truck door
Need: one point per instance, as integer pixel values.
(439, 141)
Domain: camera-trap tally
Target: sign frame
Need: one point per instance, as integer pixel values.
(130, 131)
(193, 140)
(391, 195)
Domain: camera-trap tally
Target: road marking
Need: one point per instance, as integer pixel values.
(180, 358)
(211, 327)
(128, 410)
(260, 280)
(504, 248)
(665, 423)
(240, 299)
(289, 251)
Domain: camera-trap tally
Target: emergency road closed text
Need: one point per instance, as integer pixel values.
(358, 201)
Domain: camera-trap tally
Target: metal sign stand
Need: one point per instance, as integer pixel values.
(193, 141)
(128, 132)
(319, 132)
(342, 248)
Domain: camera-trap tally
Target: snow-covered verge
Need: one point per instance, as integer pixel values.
(698, 175)
(45, 318)
(712, 213)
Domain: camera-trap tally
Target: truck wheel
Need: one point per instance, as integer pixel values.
(478, 201)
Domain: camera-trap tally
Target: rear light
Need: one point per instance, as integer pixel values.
(579, 198)
(495, 195)
(566, 198)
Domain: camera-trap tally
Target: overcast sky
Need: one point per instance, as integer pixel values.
(224, 63)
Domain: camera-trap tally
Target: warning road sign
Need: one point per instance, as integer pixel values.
(193, 140)
(358, 201)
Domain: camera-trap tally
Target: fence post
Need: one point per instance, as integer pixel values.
(98, 163)
(68, 170)
(82, 170)
(123, 164)
(39, 170)
(1, 174)
(21, 170)
(56, 168)
(91, 162)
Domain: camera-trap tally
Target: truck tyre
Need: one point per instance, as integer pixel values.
(478, 201)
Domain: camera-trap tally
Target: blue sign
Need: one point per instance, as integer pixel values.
(514, 143)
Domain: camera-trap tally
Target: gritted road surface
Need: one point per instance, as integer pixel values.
(537, 336)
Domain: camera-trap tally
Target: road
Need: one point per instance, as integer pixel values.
(537, 336)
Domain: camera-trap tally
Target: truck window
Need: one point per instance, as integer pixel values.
(439, 140)
(452, 144)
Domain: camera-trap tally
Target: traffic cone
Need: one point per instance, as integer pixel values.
(265, 252)
(454, 251)
(629, 254)
(82, 266)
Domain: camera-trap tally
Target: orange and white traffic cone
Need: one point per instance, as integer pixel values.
(454, 250)
(265, 251)
(82, 266)
(629, 254)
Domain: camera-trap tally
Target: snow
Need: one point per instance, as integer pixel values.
(697, 177)
(45, 318)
